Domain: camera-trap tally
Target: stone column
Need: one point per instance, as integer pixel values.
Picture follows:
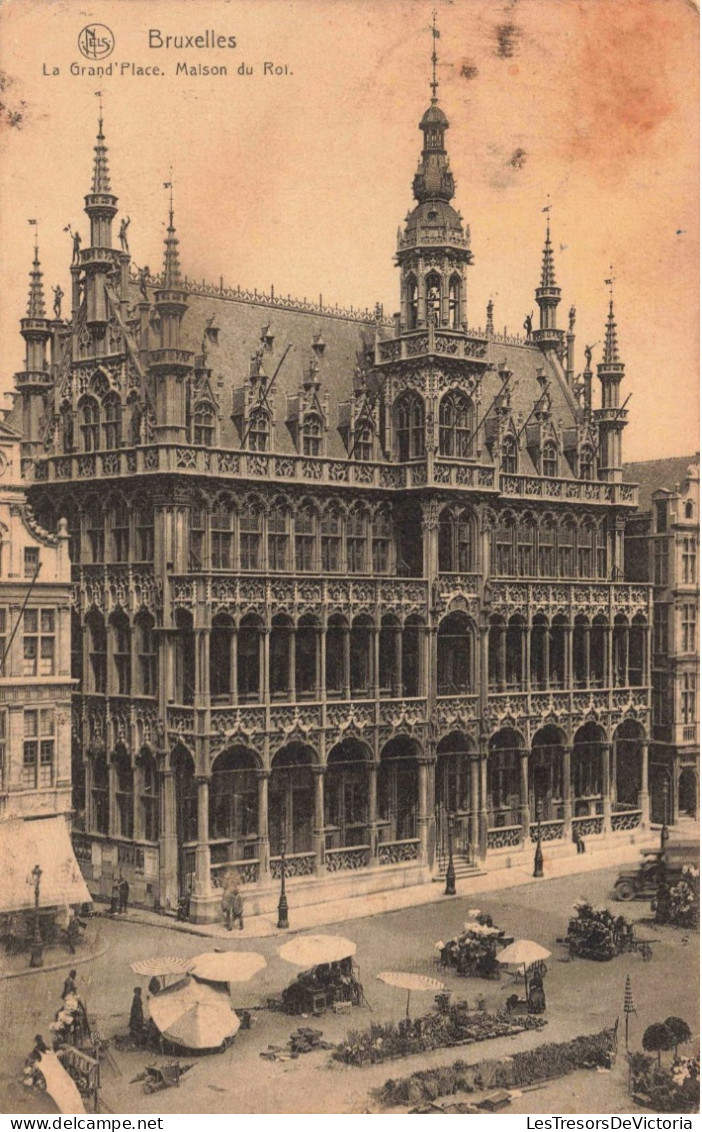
(264, 681)
(234, 667)
(202, 853)
(422, 815)
(502, 677)
(606, 749)
(347, 662)
(375, 637)
(397, 667)
(373, 811)
(527, 656)
(482, 795)
(291, 665)
(568, 657)
(567, 793)
(113, 824)
(318, 829)
(524, 794)
(322, 659)
(473, 817)
(168, 842)
(264, 845)
(644, 801)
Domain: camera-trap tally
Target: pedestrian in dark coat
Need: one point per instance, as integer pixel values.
(69, 986)
(123, 894)
(114, 898)
(136, 1016)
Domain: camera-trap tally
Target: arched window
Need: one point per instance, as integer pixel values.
(124, 794)
(147, 654)
(549, 459)
(547, 548)
(148, 795)
(221, 637)
(689, 510)
(67, 428)
(250, 536)
(433, 297)
(259, 431)
(97, 651)
(601, 550)
(566, 549)
(312, 435)
(363, 441)
(586, 536)
(136, 423)
(454, 303)
(121, 653)
(144, 527)
(382, 541)
(305, 538)
(357, 541)
(503, 544)
(409, 426)
(455, 551)
(119, 531)
(204, 424)
(90, 426)
(526, 547)
(337, 639)
(278, 540)
(112, 424)
(222, 535)
(331, 541)
(198, 520)
(454, 655)
(412, 302)
(587, 459)
(455, 425)
(361, 656)
(280, 676)
(412, 636)
(307, 657)
(100, 795)
(508, 459)
(248, 651)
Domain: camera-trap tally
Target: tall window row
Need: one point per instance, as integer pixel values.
(136, 794)
(551, 548)
(121, 656)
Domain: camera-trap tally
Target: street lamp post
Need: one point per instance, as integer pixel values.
(664, 827)
(36, 958)
(538, 855)
(283, 902)
(450, 889)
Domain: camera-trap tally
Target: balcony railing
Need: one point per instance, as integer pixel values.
(504, 837)
(296, 865)
(397, 852)
(550, 831)
(348, 858)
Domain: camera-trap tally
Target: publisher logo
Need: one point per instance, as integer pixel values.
(96, 41)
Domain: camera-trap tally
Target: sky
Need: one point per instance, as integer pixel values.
(299, 180)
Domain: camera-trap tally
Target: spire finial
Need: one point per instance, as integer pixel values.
(98, 95)
(35, 304)
(435, 34)
(169, 185)
(610, 283)
(171, 264)
(611, 346)
(548, 271)
(101, 172)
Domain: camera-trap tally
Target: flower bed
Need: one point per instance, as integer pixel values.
(519, 1070)
(675, 1089)
(679, 904)
(454, 1027)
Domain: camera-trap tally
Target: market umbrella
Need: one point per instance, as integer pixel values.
(194, 1015)
(227, 966)
(311, 950)
(409, 982)
(523, 951)
(162, 965)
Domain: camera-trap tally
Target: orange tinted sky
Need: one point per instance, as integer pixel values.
(301, 180)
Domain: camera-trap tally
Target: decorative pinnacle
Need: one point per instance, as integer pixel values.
(101, 172)
(35, 305)
(435, 34)
(171, 263)
(548, 271)
(611, 346)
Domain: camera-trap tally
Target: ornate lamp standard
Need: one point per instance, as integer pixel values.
(664, 827)
(36, 958)
(538, 855)
(283, 902)
(450, 889)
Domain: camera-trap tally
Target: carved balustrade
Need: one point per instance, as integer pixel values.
(233, 592)
(550, 831)
(584, 491)
(350, 858)
(626, 819)
(504, 837)
(507, 597)
(109, 586)
(247, 872)
(588, 824)
(296, 865)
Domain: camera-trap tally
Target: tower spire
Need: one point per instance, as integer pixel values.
(548, 295)
(548, 271)
(611, 346)
(101, 172)
(435, 34)
(35, 305)
(611, 418)
(171, 262)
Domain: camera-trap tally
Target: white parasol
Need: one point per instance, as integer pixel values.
(311, 950)
(523, 951)
(194, 1015)
(227, 966)
(162, 965)
(409, 982)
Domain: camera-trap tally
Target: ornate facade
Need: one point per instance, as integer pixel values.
(344, 597)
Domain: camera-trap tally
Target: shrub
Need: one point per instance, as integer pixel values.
(657, 1038)
(680, 1030)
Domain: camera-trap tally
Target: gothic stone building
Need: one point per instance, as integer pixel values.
(345, 597)
(662, 547)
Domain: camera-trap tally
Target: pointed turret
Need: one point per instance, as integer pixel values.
(170, 365)
(611, 418)
(548, 296)
(34, 380)
(434, 248)
(99, 259)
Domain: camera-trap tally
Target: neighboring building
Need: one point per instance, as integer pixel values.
(662, 546)
(35, 688)
(331, 597)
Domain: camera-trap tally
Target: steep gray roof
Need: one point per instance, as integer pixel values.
(654, 474)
